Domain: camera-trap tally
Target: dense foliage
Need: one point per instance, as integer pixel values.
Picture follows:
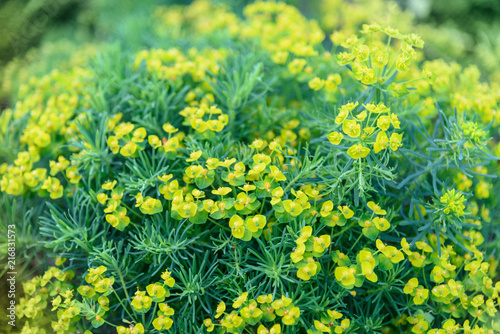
(263, 173)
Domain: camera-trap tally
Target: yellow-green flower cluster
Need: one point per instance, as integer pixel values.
(307, 248)
(330, 323)
(373, 126)
(173, 65)
(116, 214)
(265, 312)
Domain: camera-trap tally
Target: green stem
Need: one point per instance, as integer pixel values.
(344, 230)
(152, 316)
(120, 301)
(354, 244)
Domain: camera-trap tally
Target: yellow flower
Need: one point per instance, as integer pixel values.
(138, 200)
(335, 137)
(298, 253)
(306, 272)
(237, 226)
(169, 128)
(153, 140)
(305, 233)
(276, 329)
(345, 276)
(72, 174)
(109, 185)
(170, 281)
(240, 300)
(358, 151)
(212, 163)
(346, 211)
(54, 187)
(150, 206)
(187, 209)
(276, 174)
(316, 83)
(222, 191)
(208, 323)
(321, 243)
(162, 323)
(296, 65)
(291, 317)
(332, 81)
(382, 224)
(227, 163)
(128, 149)
(410, 286)
(395, 141)
(139, 135)
(165, 178)
(141, 303)
(384, 122)
(280, 57)
(215, 125)
(255, 223)
(421, 295)
(251, 311)
(156, 291)
(123, 129)
(391, 252)
(113, 144)
(326, 208)
(344, 325)
(376, 208)
(195, 155)
(294, 208)
(321, 327)
(220, 310)
(55, 167)
(351, 128)
(381, 142)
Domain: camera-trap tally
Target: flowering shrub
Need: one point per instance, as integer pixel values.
(259, 177)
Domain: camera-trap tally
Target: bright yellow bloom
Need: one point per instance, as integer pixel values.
(150, 206)
(345, 276)
(195, 155)
(321, 243)
(316, 83)
(376, 208)
(410, 286)
(222, 191)
(381, 223)
(346, 211)
(170, 281)
(240, 300)
(255, 223)
(237, 226)
(305, 233)
(335, 137)
(221, 308)
(381, 142)
(351, 128)
(395, 141)
(128, 149)
(358, 151)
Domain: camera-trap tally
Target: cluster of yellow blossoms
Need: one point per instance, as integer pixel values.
(365, 128)
(47, 107)
(247, 313)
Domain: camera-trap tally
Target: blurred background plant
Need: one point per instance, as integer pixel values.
(466, 31)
